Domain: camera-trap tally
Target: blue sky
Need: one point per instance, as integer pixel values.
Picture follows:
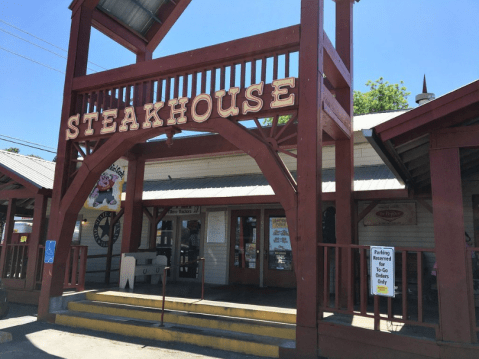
(398, 40)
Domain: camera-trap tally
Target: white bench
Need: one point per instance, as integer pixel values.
(136, 264)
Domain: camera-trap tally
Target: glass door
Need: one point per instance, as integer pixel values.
(278, 254)
(190, 241)
(244, 253)
(165, 240)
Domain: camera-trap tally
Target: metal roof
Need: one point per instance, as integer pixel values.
(138, 15)
(403, 142)
(37, 172)
(367, 178)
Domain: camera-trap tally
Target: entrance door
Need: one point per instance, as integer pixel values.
(244, 252)
(190, 234)
(278, 255)
(165, 241)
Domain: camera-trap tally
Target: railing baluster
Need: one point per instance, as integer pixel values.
(419, 287)
(404, 285)
(253, 72)
(222, 77)
(75, 265)
(168, 90)
(121, 102)
(350, 279)
(91, 104)
(185, 85)
(326, 277)
(243, 75)
(390, 307)
(66, 279)
(176, 87)
(337, 272)
(275, 67)
(213, 81)
(203, 81)
(363, 278)
(286, 64)
(16, 269)
(128, 96)
(376, 313)
(263, 69)
(233, 75)
(194, 84)
(159, 90)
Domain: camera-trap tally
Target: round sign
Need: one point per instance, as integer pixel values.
(101, 229)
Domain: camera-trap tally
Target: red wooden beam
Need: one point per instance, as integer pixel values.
(168, 14)
(334, 67)
(210, 201)
(199, 146)
(424, 118)
(17, 193)
(118, 32)
(455, 137)
(381, 194)
(243, 49)
(19, 179)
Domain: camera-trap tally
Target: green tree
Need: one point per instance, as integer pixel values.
(35, 156)
(281, 120)
(382, 96)
(12, 149)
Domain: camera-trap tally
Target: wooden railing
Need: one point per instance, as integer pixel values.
(75, 268)
(415, 286)
(266, 67)
(16, 261)
(472, 256)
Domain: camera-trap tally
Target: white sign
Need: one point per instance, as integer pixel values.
(184, 210)
(382, 271)
(216, 232)
(392, 214)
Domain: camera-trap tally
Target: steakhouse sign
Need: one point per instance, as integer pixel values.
(178, 111)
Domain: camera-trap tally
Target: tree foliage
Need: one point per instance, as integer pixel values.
(12, 149)
(382, 96)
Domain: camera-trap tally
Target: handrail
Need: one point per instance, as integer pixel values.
(182, 265)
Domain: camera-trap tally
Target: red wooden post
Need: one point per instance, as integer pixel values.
(53, 274)
(455, 318)
(309, 219)
(344, 148)
(133, 217)
(9, 224)
(34, 240)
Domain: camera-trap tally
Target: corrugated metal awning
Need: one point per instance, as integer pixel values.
(366, 178)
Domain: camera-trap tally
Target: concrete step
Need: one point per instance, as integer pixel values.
(250, 344)
(226, 309)
(236, 324)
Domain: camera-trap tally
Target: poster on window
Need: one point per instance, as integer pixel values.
(279, 234)
(391, 214)
(106, 195)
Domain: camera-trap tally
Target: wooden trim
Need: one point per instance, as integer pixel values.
(18, 193)
(428, 113)
(118, 32)
(19, 179)
(334, 67)
(381, 194)
(168, 14)
(208, 56)
(456, 137)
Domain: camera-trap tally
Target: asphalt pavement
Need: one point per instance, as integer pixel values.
(33, 339)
